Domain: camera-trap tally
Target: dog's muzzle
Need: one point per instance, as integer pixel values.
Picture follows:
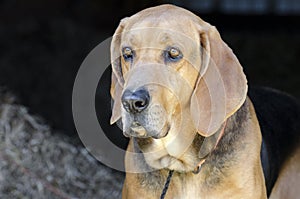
(135, 103)
(142, 119)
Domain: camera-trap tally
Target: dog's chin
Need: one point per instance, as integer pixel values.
(138, 131)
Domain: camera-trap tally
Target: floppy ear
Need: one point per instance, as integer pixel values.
(117, 80)
(221, 87)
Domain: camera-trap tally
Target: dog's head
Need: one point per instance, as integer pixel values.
(173, 75)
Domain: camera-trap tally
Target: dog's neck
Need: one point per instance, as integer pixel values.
(234, 158)
(215, 168)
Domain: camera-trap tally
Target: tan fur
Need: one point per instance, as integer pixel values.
(240, 175)
(287, 184)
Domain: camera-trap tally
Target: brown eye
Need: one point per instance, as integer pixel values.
(127, 53)
(173, 54)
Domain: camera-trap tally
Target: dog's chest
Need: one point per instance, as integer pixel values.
(201, 187)
(189, 186)
(196, 191)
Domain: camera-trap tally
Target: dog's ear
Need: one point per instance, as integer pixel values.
(117, 80)
(221, 87)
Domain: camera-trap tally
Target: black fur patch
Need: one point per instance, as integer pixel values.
(279, 117)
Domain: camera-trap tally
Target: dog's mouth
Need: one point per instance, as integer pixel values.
(140, 131)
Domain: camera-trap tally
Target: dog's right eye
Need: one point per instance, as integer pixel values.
(127, 53)
(173, 54)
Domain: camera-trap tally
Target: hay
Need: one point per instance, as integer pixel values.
(34, 163)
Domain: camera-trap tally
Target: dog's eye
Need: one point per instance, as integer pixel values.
(127, 53)
(173, 54)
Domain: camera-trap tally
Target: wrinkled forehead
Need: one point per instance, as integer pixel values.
(152, 32)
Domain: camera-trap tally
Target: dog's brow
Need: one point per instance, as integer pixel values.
(164, 38)
(131, 39)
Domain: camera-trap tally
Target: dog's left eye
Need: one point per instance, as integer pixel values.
(173, 54)
(127, 53)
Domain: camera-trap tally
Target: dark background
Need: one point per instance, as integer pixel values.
(43, 42)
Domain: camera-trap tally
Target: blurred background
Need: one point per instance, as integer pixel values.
(43, 43)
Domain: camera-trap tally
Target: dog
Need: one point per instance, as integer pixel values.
(183, 100)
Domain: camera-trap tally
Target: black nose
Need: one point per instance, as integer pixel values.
(135, 102)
